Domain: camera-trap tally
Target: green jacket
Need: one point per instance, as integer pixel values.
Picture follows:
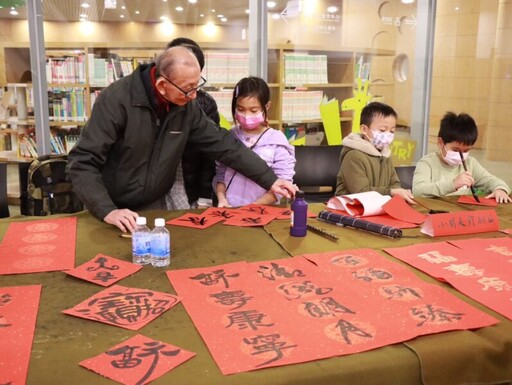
(364, 168)
(127, 156)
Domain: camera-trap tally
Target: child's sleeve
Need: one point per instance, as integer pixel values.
(425, 184)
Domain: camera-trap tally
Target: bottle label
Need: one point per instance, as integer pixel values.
(291, 219)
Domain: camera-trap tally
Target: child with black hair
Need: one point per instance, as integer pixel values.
(250, 106)
(365, 159)
(442, 172)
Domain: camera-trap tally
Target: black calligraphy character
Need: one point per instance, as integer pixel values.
(327, 307)
(348, 260)
(430, 314)
(452, 222)
(230, 298)
(286, 212)
(119, 307)
(398, 291)
(346, 328)
(252, 221)
(471, 220)
(104, 276)
(222, 214)
(461, 222)
(4, 324)
(371, 274)
(5, 299)
(258, 210)
(101, 261)
(278, 271)
(268, 344)
(295, 290)
(197, 221)
(127, 361)
(213, 278)
(247, 319)
(153, 348)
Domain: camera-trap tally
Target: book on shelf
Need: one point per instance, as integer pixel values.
(302, 69)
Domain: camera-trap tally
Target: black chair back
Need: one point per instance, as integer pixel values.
(4, 201)
(317, 166)
(405, 174)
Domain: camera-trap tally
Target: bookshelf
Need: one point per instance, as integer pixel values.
(299, 78)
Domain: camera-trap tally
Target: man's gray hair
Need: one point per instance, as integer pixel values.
(174, 57)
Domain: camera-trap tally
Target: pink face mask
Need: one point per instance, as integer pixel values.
(250, 122)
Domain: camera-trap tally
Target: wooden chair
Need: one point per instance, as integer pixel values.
(405, 174)
(4, 202)
(316, 169)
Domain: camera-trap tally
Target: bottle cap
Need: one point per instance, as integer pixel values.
(141, 221)
(299, 194)
(159, 222)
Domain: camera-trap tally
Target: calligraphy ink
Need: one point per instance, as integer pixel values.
(160, 244)
(299, 215)
(141, 238)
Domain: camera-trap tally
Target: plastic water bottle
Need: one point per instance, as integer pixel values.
(160, 244)
(299, 217)
(141, 238)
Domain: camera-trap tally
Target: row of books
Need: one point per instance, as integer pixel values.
(225, 67)
(302, 69)
(301, 105)
(59, 145)
(70, 69)
(5, 141)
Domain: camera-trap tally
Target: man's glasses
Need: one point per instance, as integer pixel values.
(188, 93)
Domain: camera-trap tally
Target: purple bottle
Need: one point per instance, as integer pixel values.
(299, 215)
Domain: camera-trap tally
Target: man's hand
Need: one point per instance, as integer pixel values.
(500, 196)
(464, 179)
(405, 194)
(124, 219)
(284, 188)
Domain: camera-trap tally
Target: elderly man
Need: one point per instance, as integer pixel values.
(126, 158)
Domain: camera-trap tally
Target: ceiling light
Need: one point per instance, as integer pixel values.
(276, 16)
(179, 9)
(137, 12)
(407, 1)
(224, 19)
(121, 16)
(13, 12)
(123, 7)
(192, 1)
(332, 9)
(247, 11)
(201, 15)
(219, 16)
(85, 5)
(271, 4)
(83, 16)
(213, 10)
(164, 17)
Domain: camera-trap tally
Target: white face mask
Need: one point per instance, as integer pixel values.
(453, 157)
(382, 139)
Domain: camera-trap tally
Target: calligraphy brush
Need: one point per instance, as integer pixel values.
(430, 211)
(473, 191)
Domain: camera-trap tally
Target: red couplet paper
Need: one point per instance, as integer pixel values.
(287, 311)
(479, 268)
(18, 313)
(399, 209)
(137, 361)
(507, 231)
(461, 222)
(250, 219)
(104, 270)
(195, 221)
(125, 307)
(470, 200)
(37, 246)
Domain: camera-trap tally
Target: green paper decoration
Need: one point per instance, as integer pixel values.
(12, 3)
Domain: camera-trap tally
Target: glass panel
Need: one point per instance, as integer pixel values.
(352, 51)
